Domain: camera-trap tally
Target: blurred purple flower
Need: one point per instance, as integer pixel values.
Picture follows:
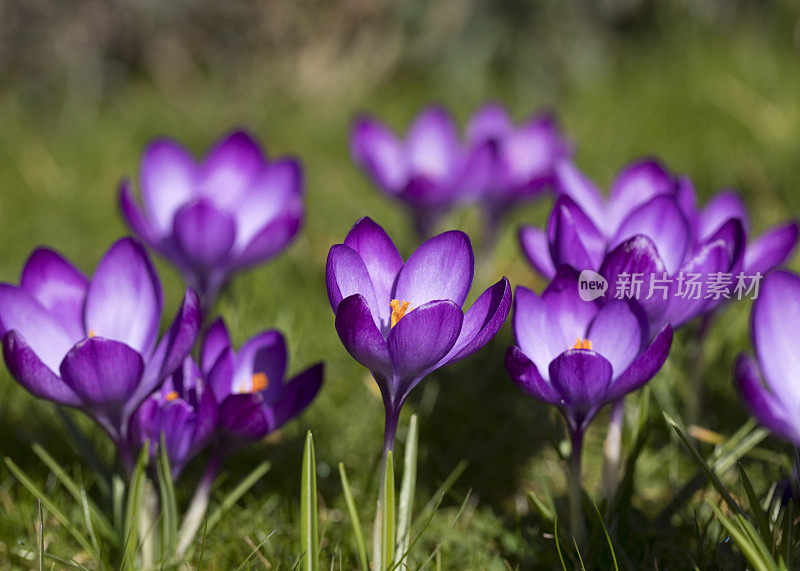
(184, 410)
(249, 384)
(216, 217)
(524, 157)
(93, 344)
(775, 321)
(405, 320)
(431, 171)
(579, 355)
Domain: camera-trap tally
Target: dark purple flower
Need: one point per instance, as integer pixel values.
(774, 322)
(644, 229)
(431, 171)
(405, 320)
(579, 355)
(249, 384)
(213, 218)
(184, 410)
(524, 156)
(93, 344)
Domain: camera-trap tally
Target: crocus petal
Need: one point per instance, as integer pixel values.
(723, 206)
(103, 372)
(272, 239)
(644, 367)
(230, 168)
(423, 337)
(635, 185)
(441, 268)
(764, 406)
(526, 375)
(566, 309)
(618, 333)
(136, 219)
(216, 340)
(432, 143)
(220, 376)
(204, 234)
(490, 122)
(536, 330)
(346, 275)
(124, 299)
(243, 417)
(377, 150)
(711, 259)
(267, 198)
(574, 240)
(381, 259)
(570, 181)
(42, 331)
(25, 366)
(477, 172)
(296, 395)
(536, 248)
(772, 249)
(264, 353)
(168, 178)
(662, 221)
(481, 322)
(529, 153)
(360, 335)
(775, 322)
(173, 348)
(582, 377)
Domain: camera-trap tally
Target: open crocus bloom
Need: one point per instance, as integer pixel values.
(580, 355)
(524, 156)
(404, 320)
(184, 410)
(249, 384)
(212, 218)
(775, 323)
(93, 344)
(644, 228)
(430, 170)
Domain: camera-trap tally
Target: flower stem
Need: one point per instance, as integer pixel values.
(577, 520)
(389, 434)
(612, 449)
(196, 511)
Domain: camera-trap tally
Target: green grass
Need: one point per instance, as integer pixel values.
(722, 105)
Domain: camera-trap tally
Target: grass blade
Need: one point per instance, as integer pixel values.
(755, 507)
(558, 545)
(233, 496)
(438, 549)
(407, 488)
(49, 505)
(169, 506)
(608, 538)
(361, 545)
(40, 533)
(757, 556)
(308, 507)
(388, 527)
(133, 508)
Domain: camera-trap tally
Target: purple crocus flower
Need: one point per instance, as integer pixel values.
(643, 228)
(93, 344)
(430, 171)
(524, 157)
(213, 218)
(405, 320)
(774, 325)
(249, 384)
(184, 410)
(579, 355)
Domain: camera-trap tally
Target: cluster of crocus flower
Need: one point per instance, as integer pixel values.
(211, 219)
(496, 165)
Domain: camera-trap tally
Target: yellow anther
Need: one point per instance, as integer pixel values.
(582, 344)
(91, 333)
(399, 309)
(172, 395)
(260, 382)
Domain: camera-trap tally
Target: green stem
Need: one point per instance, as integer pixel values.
(575, 491)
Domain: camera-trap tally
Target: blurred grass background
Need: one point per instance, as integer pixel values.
(710, 87)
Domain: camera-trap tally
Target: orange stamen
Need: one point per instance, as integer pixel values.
(172, 395)
(399, 309)
(91, 333)
(582, 344)
(260, 382)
